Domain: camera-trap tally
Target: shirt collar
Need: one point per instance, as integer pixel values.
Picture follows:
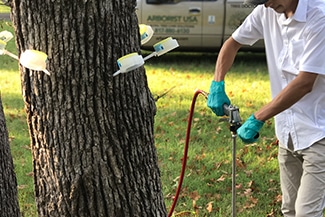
(301, 11)
(300, 14)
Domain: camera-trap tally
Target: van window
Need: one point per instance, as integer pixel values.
(175, 1)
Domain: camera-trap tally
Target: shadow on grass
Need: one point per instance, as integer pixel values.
(205, 59)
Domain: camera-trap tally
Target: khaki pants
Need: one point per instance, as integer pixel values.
(302, 176)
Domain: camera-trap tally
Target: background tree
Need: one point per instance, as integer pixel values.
(9, 206)
(91, 133)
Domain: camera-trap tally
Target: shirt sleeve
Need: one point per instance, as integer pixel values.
(251, 30)
(314, 49)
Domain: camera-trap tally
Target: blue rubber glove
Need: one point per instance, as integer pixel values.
(249, 131)
(217, 97)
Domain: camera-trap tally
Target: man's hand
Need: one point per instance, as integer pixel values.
(249, 131)
(218, 97)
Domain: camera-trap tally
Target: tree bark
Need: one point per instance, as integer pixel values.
(91, 133)
(9, 206)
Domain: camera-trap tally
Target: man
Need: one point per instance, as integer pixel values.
(294, 37)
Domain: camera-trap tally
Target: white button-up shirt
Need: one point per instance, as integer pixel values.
(292, 45)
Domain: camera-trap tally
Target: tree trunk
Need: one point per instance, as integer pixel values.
(91, 133)
(9, 206)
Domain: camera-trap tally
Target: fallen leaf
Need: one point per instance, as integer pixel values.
(209, 207)
(195, 195)
(251, 203)
(30, 174)
(22, 186)
(221, 179)
(240, 163)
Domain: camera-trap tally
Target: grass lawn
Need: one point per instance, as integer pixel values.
(10, 87)
(4, 9)
(207, 186)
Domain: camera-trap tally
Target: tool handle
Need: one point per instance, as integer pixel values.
(234, 118)
(226, 109)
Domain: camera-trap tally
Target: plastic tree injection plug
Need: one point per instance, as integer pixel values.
(146, 33)
(163, 47)
(129, 62)
(6, 36)
(132, 61)
(34, 60)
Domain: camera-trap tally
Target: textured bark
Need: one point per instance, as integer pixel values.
(9, 206)
(91, 134)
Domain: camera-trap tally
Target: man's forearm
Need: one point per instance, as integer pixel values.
(226, 58)
(291, 94)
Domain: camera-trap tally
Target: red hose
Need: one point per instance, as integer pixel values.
(188, 132)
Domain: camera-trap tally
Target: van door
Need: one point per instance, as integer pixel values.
(220, 19)
(235, 15)
(180, 19)
(213, 24)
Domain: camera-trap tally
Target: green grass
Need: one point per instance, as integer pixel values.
(4, 8)
(207, 186)
(208, 174)
(10, 87)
